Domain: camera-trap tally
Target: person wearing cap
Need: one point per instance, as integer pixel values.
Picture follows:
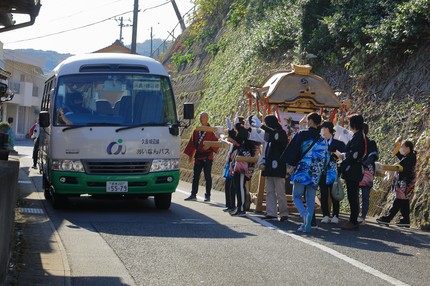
(330, 174)
(308, 155)
(203, 157)
(276, 140)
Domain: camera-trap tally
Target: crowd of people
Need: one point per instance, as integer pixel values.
(310, 159)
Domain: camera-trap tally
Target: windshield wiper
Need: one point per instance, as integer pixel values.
(92, 124)
(139, 125)
(73, 127)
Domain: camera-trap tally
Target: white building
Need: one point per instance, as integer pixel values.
(27, 82)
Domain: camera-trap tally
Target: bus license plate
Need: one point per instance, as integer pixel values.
(116, 187)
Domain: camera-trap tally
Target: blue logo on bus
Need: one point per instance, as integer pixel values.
(116, 148)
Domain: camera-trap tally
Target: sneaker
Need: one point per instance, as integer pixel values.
(334, 219)
(239, 214)
(268, 217)
(227, 210)
(207, 199)
(383, 220)
(191, 198)
(325, 219)
(361, 220)
(314, 225)
(403, 223)
(34, 167)
(283, 218)
(301, 228)
(308, 222)
(349, 226)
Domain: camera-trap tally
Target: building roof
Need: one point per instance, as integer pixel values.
(4, 74)
(116, 47)
(10, 7)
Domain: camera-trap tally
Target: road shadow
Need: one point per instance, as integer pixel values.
(370, 237)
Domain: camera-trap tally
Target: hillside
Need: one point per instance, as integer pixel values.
(53, 58)
(375, 52)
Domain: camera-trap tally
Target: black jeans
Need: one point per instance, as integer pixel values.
(403, 206)
(239, 185)
(230, 199)
(325, 191)
(352, 189)
(35, 152)
(206, 166)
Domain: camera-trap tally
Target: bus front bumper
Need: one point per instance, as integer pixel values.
(73, 183)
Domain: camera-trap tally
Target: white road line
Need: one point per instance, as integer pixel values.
(324, 248)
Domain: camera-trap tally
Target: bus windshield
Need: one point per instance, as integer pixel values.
(114, 100)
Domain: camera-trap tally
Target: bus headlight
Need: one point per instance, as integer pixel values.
(159, 165)
(68, 165)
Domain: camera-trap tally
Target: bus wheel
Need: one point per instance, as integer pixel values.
(162, 201)
(58, 201)
(46, 187)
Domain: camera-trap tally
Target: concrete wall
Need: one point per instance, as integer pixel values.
(9, 180)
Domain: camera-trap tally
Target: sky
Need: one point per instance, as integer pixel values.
(57, 28)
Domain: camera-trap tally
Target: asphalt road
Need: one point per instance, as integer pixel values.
(196, 243)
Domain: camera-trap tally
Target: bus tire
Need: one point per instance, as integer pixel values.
(58, 201)
(163, 201)
(46, 186)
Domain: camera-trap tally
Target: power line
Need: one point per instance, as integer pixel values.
(69, 30)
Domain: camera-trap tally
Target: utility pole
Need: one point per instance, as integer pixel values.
(134, 33)
(150, 54)
(122, 25)
(178, 14)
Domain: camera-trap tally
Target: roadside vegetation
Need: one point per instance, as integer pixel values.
(375, 52)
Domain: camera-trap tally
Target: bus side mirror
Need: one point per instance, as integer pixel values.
(188, 111)
(44, 119)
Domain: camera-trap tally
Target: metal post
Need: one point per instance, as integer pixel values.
(178, 14)
(134, 34)
(151, 43)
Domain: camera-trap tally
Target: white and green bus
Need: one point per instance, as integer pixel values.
(109, 129)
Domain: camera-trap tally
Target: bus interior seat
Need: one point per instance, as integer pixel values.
(122, 108)
(104, 107)
(150, 106)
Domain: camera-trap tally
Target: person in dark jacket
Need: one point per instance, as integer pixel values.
(308, 155)
(203, 158)
(330, 174)
(366, 183)
(351, 167)
(275, 170)
(403, 183)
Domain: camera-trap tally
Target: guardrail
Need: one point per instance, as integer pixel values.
(9, 178)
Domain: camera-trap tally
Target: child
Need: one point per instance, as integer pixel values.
(403, 183)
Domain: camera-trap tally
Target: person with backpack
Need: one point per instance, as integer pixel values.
(330, 174)
(203, 158)
(366, 183)
(351, 167)
(403, 183)
(308, 156)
